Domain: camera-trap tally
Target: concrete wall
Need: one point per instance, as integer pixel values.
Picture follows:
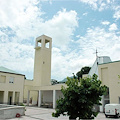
(11, 111)
(33, 93)
(34, 97)
(16, 86)
(42, 62)
(47, 96)
(27, 86)
(108, 74)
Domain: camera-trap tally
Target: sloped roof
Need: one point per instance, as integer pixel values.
(6, 70)
(99, 60)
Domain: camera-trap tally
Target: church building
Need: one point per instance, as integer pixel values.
(15, 89)
(45, 93)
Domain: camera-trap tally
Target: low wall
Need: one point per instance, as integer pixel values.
(10, 111)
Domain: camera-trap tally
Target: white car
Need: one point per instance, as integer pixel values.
(112, 110)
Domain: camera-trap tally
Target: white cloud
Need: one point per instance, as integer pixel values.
(17, 12)
(64, 65)
(98, 4)
(117, 12)
(104, 41)
(85, 14)
(113, 27)
(21, 17)
(26, 17)
(21, 23)
(18, 57)
(104, 4)
(78, 36)
(92, 3)
(60, 27)
(105, 22)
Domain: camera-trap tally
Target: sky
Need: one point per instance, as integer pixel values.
(77, 29)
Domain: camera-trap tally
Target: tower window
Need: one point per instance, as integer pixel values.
(47, 43)
(39, 43)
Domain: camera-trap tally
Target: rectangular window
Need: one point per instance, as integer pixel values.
(11, 80)
(2, 79)
(47, 43)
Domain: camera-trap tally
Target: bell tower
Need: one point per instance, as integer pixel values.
(42, 61)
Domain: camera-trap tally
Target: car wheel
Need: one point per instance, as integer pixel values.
(106, 115)
(117, 116)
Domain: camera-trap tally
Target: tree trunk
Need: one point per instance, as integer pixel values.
(70, 118)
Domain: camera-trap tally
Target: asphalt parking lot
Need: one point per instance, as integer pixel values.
(35, 113)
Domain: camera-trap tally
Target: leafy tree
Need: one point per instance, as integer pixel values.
(80, 97)
(84, 70)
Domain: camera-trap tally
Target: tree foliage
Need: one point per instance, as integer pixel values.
(80, 97)
(84, 70)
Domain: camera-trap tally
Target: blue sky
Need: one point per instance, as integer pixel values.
(77, 28)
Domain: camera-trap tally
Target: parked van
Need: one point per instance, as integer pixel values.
(112, 110)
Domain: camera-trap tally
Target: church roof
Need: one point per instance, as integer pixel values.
(6, 70)
(99, 60)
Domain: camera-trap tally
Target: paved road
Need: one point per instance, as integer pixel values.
(35, 113)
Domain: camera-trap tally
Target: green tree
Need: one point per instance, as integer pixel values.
(84, 70)
(80, 97)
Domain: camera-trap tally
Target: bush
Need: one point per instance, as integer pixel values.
(80, 97)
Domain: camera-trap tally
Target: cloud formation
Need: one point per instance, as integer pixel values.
(113, 27)
(99, 38)
(60, 27)
(117, 12)
(98, 4)
(105, 22)
(21, 22)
